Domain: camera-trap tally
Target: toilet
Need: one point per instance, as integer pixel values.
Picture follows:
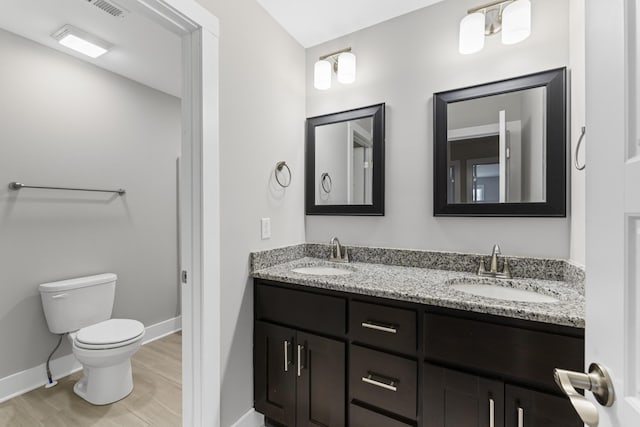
(82, 307)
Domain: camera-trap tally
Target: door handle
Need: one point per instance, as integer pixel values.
(286, 355)
(596, 381)
(300, 366)
(492, 413)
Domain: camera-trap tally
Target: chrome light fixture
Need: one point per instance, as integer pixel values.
(81, 41)
(342, 62)
(510, 17)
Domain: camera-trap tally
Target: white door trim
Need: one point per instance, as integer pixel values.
(199, 205)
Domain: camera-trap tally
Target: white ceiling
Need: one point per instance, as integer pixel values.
(143, 50)
(312, 22)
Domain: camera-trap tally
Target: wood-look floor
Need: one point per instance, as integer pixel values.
(156, 399)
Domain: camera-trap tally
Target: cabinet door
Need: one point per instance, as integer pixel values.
(528, 408)
(456, 399)
(274, 373)
(321, 381)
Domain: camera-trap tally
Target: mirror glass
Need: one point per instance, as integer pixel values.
(496, 148)
(345, 163)
(500, 148)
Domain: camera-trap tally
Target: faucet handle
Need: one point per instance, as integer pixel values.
(496, 250)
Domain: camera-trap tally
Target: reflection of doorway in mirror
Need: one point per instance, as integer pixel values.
(496, 149)
(360, 162)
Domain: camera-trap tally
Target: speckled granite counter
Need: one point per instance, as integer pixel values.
(433, 287)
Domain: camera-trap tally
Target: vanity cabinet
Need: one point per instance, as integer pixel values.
(333, 359)
(299, 376)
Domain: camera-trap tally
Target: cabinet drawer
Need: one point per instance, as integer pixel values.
(506, 351)
(382, 380)
(360, 417)
(385, 327)
(301, 309)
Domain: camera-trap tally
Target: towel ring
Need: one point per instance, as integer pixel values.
(325, 181)
(575, 159)
(279, 166)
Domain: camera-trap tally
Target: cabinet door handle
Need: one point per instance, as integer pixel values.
(520, 417)
(286, 356)
(492, 413)
(300, 349)
(378, 327)
(380, 381)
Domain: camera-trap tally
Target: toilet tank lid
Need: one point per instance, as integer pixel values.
(78, 282)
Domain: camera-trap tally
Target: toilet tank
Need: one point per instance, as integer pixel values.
(75, 303)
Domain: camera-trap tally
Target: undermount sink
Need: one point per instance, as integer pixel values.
(322, 271)
(502, 292)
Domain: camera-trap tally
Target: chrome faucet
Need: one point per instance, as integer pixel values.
(338, 252)
(493, 272)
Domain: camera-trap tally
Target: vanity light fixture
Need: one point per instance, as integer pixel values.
(343, 63)
(510, 17)
(81, 41)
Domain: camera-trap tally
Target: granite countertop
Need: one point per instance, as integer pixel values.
(433, 287)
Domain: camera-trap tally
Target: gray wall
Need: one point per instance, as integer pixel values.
(262, 92)
(65, 122)
(403, 62)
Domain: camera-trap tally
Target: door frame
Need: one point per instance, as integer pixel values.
(199, 204)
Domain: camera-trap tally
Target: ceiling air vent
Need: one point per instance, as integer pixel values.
(110, 7)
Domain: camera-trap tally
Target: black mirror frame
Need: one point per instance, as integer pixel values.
(377, 197)
(556, 170)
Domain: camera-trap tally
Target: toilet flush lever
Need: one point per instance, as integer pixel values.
(58, 296)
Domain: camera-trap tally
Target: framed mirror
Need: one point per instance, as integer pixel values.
(500, 148)
(345, 163)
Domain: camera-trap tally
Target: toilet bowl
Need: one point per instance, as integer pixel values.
(105, 351)
(82, 308)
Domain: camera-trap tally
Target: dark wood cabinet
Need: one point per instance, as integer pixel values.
(299, 378)
(456, 399)
(274, 372)
(335, 359)
(535, 409)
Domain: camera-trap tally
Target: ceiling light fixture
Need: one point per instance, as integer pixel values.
(343, 63)
(81, 41)
(510, 17)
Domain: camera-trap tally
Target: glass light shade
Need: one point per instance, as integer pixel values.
(471, 33)
(322, 75)
(516, 22)
(346, 68)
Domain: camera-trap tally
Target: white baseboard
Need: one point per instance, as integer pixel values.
(30, 379)
(162, 329)
(250, 419)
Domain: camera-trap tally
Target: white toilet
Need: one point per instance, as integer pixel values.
(82, 307)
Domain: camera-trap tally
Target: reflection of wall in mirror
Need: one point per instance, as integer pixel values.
(331, 149)
(360, 161)
(534, 145)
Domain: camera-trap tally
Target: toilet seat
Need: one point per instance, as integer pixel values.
(112, 333)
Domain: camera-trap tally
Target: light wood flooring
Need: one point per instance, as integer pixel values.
(156, 399)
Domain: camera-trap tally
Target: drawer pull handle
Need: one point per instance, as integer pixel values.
(492, 413)
(382, 382)
(520, 417)
(300, 366)
(384, 328)
(286, 356)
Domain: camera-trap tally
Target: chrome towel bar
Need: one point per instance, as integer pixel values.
(17, 186)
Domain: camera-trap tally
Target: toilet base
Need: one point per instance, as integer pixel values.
(105, 385)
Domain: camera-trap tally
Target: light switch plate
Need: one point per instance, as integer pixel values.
(265, 228)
